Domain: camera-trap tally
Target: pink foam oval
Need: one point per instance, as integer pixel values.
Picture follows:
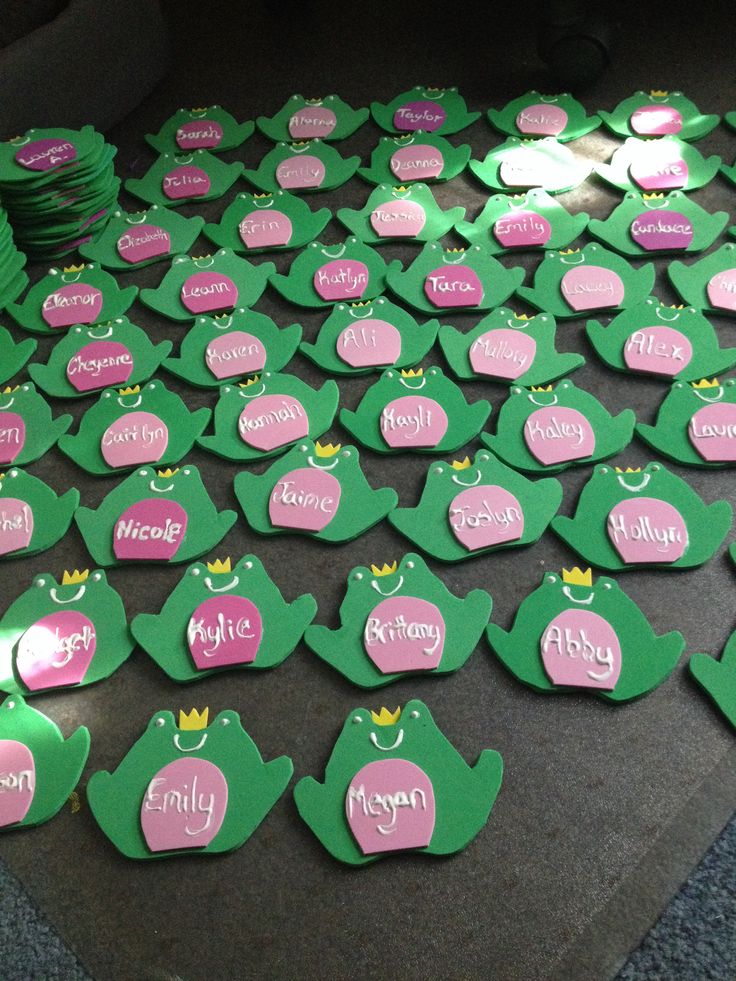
(16, 524)
(592, 288)
(722, 290)
(301, 171)
(99, 364)
(12, 436)
(369, 343)
(306, 499)
(557, 434)
(150, 530)
(485, 515)
(270, 421)
(184, 805)
(413, 422)
(224, 630)
(656, 121)
(646, 529)
(341, 279)
(657, 350)
(659, 171)
(398, 219)
(712, 431)
(312, 121)
(453, 286)
(522, 229)
(199, 134)
(418, 162)
(143, 242)
(662, 231)
(235, 353)
(502, 353)
(541, 119)
(581, 650)
(185, 182)
(262, 229)
(404, 633)
(203, 292)
(135, 438)
(421, 114)
(56, 650)
(75, 303)
(45, 154)
(17, 781)
(390, 807)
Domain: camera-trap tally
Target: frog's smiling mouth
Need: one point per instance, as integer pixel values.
(204, 262)
(70, 278)
(704, 398)
(655, 205)
(413, 388)
(100, 337)
(465, 483)
(189, 749)
(456, 260)
(300, 149)
(77, 596)
(570, 261)
(227, 322)
(221, 589)
(394, 745)
(247, 393)
(327, 466)
(135, 404)
(645, 478)
(184, 160)
(403, 141)
(585, 602)
(543, 404)
(429, 94)
(397, 587)
(262, 204)
(674, 314)
(335, 255)
(549, 99)
(7, 405)
(516, 203)
(361, 316)
(132, 221)
(160, 490)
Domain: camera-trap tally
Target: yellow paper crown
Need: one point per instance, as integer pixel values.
(266, 194)
(327, 450)
(2, 476)
(433, 88)
(386, 718)
(454, 250)
(133, 390)
(219, 566)
(410, 373)
(541, 388)
(193, 720)
(401, 188)
(364, 303)
(168, 472)
(313, 102)
(677, 306)
(196, 258)
(568, 251)
(9, 389)
(250, 381)
(72, 578)
(521, 316)
(658, 93)
(299, 142)
(706, 383)
(577, 577)
(628, 470)
(461, 464)
(385, 570)
(73, 269)
(651, 197)
(198, 109)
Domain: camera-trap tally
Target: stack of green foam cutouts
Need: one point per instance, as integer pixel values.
(13, 279)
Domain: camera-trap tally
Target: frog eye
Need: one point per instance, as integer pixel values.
(107, 395)
(96, 577)
(650, 301)
(655, 467)
(151, 386)
(551, 578)
(731, 382)
(266, 374)
(224, 722)
(160, 722)
(544, 318)
(433, 371)
(484, 457)
(195, 571)
(303, 448)
(143, 473)
(357, 718)
(77, 330)
(248, 565)
(606, 585)
(564, 384)
(186, 471)
(11, 705)
(41, 582)
(438, 470)
(24, 388)
(414, 714)
(13, 473)
(630, 196)
(678, 385)
(604, 470)
(409, 565)
(390, 374)
(516, 390)
(346, 453)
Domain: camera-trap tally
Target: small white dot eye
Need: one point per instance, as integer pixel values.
(603, 470)
(436, 469)
(483, 457)
(516, 391)
(432, 371)
(345, 453)
(655, 467)
(187, 471)
(106, 395)
(40, 582)
(248, 565)
(11, 705)
(303, 448)
(389, 374)
(194, 572)
(357, 718)
(224, 722)
(731, 382)
(551, 578)
(160, 722)
(409, 565)
(13, 473)
(606, 585)
(358, 576)
(77, 330)
(96, 577)
(142, 473)
(678, 384)
(414, 714)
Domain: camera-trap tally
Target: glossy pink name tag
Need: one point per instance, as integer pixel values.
(541, 119)
(670, 231)
(264, 229)
(592, 288)
(300, 172)
(18, 783)
(581, 650)
(390, 807)
(311, 122)
(16, 524)
(369, 343)
(341, 279)
(413, 422)
(135, 438)
(404, 633)
(56, 651)
(199, 134)
(557, 434)
(143, 242)
(150, 530)
(486, 515)
(100, 364)
(502, 353)
(75, 303)
(522, 229)
(453, 286)
(185, 182)
(658, 351)
(45, 154)
(206, 291)
(418, 162)
(235, 353)
(421, 114)
(270, 421)
(184, 805)
(722, 290)
(656, 121)
(305, 500)
(712, 431)
(659, 171)
(223, 631)
(398, 219)
(12, 436)
(647, 530)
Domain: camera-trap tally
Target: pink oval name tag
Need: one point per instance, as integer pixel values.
(656, 121)
(556, 434)
(398, 219)
(185, 182)
(300, 172)
(722, 290)
(421, 114)
(143, 242)
(263, 229)
(341, 279)
(135, 438)
(56, 650)
(235, 353)
(390, 807)
(581, 650)
(270, 421)
(224, 630)
(665, 231)
(418, 162)
(541, 119)
(486, 515)
(413, 422)
(404, 633)
(199, 134)
(75, 303)
(150, 530)
(522, 229)
(312, 121)
(17, 781)
(16, 525)
(12, 436)
(453, 286)
(658, 351)
(502, 353)
(659, 171)
(184, 805)
(305, 500)
(100, 364)
(647, 530)
(206, 291)
(369, 343)
(592, 288)
(712, 431)
(45, 154)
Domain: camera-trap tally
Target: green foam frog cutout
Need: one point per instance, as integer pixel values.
(66, 634)
(13, 356)
(27, 429)
(696, 424)
(399, 620)
(506, 346)
(36, 761)
(307, 166)
(575, 281)
(223, 617)
(161, 516)
(128, 427)
(314, 490)
(134, 239)
(667, 342)
(360, 338)
(406, 213)
(176, 179)
(718, 678)
(710, 283)
(643, 518)
(147, 807)
(536, 115)
(266, 415)
(328, 118)
(665, 164)
(207, 284)
(32, 517)
(655, 224)
(88, 359)
(549, 429)
(453, 280)
(270, 222)
(48, 151)
(435, 110)
(325, 274)
(418, 156)
(658, 113)
(544, 163)
(217, 349)
(13, 277)
(522, 222)
(468, 509)
(572, 634)
(415, 411)
(204, 128)
(394, 783)
(82, 294)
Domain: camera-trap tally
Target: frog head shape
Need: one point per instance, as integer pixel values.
(535, 114)
(26, 427)
(696, 423)
(428, 108)
(656, 113)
